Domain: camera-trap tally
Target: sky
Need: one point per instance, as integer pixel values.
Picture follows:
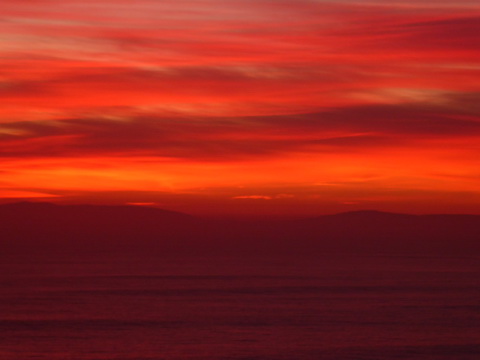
(242, 107)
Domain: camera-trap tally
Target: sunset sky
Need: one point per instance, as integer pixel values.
(251, 107)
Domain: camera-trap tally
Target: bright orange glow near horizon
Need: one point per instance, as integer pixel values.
(295, 107)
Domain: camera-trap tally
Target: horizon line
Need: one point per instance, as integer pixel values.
(231, 215)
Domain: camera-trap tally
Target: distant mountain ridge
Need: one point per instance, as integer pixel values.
(44, 227)
(39, 206)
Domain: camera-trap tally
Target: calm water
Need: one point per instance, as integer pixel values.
(338, 307)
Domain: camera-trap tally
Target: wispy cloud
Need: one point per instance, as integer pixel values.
(315, 91)
(353, 128)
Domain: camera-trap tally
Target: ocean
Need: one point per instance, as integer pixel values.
(329, 307)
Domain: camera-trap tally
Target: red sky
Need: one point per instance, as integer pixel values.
(287, 107)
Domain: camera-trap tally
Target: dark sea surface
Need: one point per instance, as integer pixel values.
(329, 307)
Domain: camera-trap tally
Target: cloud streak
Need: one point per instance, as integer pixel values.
(255, 94)
(356, 128)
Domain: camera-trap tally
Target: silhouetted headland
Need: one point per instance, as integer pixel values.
(31, 227)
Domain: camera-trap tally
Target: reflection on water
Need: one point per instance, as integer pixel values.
(336, 307)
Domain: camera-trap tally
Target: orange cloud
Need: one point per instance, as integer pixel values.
(331, 102)
(253, 197)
